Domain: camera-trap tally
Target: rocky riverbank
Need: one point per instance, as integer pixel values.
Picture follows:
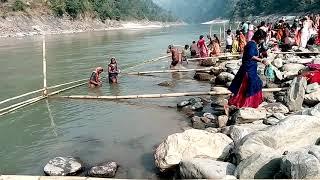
(20, 25)
(280, 139)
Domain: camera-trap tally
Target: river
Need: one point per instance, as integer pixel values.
(96, 131)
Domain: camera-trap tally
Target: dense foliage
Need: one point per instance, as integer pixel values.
(245, 8)
(111, 9)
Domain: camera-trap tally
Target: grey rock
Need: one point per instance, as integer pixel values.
(315, 111)
(279, 116)
(167, 84)
(269, 97)
(312, 98)
(105, 170)
(224, 78)
(278, 62)
(276, 108)
(271, 121)
(203, 76)
(222, 121)
(296, 93)
(293, 68)
(197, 106)
(249, 115)
(239, 132)
(259, 166)
(210, 116)
(288, 134)
(208, 62)
(197, 123)
(213, 130)
(205, 168)
(195, 100)
(63, 166)
(183, 104)
(300, 165)
(311, 88)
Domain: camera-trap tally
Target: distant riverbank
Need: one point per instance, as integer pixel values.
(24, 25)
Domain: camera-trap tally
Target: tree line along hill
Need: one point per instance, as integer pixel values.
(102, 9)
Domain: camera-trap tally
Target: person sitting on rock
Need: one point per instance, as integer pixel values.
(94, 80)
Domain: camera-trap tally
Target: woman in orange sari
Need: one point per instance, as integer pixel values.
(242, 41)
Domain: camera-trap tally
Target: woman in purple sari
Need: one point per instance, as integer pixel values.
(247, 86)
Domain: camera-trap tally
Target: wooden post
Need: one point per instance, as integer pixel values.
(44, 62)
(220, 33)
(210, 30)
(224, 30)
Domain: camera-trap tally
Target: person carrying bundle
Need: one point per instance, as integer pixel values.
(94, 80)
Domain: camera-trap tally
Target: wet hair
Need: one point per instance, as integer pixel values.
(193, 42)
(238, 32)
(259, 35)
(201, 37)
(186, 46)
(263, 23)
(170, 47)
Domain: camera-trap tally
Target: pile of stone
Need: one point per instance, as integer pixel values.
(71, 166)
(280, 139)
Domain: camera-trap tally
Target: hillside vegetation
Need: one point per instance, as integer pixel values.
(102, 9)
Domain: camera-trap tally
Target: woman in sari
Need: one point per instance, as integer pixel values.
(246, 87)
(113, 71)
(94, 80)
(203, 50)
(242, 42)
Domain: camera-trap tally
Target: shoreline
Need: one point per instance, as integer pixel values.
(22, 25)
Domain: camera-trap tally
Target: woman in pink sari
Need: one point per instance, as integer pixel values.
(203, 49)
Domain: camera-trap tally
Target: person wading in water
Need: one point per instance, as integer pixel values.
(94, 80)
(113, 71)
(175, 55)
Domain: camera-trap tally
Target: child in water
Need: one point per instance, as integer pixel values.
(113, 71)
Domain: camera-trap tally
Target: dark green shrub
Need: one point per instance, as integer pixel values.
(18, 5)
(58, 7)
(73, 7)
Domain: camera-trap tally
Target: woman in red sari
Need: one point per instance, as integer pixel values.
(247, 86)
(203, 49)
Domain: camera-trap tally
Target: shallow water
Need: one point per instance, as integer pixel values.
(124, 131)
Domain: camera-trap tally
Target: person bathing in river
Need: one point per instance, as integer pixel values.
(194, 50)
(185, 54)
(246, 87)
(202, 46)
(94, 80)
(175, 56)
(113, 71)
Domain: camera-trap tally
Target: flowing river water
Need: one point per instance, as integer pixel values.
(96, 131)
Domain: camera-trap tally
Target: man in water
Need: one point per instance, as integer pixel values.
(194, 49)
(175, 55)
(94, 80)
(185, 54)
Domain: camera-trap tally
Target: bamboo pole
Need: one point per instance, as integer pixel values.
(225, 56)
(161, 95)
(72, 82)
(220, 33)
(149, 61)
(44, 62)
(296, 52)
(34, 100)
(167, 71)
(21, 96)
(211, 30)
(224, 30)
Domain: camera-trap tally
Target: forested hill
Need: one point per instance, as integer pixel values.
(198, 11)
(103, 9)
(205, 10)
(246, 8)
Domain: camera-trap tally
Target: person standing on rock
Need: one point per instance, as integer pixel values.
(246, 87)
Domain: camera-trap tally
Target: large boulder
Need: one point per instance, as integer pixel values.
(190, 144)
(239, 132)
(224, 78)
(200, 76)
(63, 166)
(205, 168)
(296, 93)
(315, 111)
(105, 170)
(259, 166)
(293, 68)
(291, 133)
(303, 164)
(249, 115)
(278, 62)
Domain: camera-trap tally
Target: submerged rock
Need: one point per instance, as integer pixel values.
(190, 144)
(63, 166)
(167, 84)
(105, 170)
(203, 76)
(205, 168)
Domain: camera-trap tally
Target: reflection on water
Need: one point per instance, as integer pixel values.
(125, 131)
